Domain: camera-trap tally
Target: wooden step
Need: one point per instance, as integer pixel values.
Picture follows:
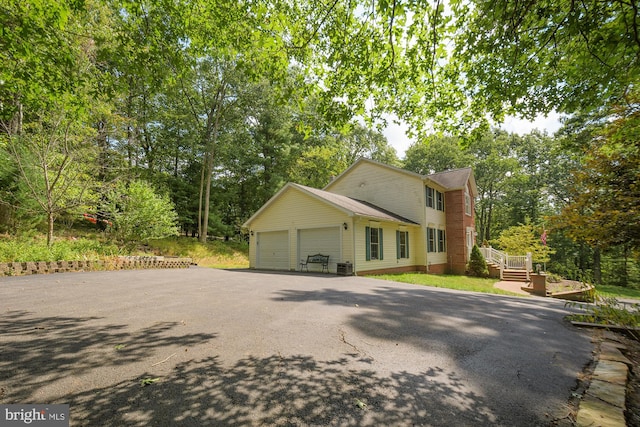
(514, 275)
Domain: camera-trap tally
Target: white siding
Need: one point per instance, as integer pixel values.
(273, 250)
(295, 210)
(396, 191)
(437, 220)
(390, 260)
(325, 241)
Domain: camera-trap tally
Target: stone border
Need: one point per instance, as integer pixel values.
(604, 402)
(119, 263)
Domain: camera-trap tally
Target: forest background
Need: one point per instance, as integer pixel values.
(158, 117)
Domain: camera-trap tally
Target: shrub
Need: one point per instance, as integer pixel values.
(139, 214)
(477, 265)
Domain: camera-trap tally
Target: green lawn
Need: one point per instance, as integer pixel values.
(475, 284)
(617, 292)
(463, 283)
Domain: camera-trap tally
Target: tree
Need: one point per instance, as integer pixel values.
(436, 154)
(563, 55)
(604, 210)
(138, 213)
(456, 64)
(477, 264)
(494, 166)
(46, 53)
(522, 239)
(359, 141)
(54, 162)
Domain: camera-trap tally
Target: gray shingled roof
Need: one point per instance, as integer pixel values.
(451, 179)
(358, 207)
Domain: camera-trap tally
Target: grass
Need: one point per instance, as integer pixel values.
(34, 248)
(463, 283)
(216, 254)
(475, 284)
(609, 291)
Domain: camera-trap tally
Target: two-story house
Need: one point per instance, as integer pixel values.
(376, 217)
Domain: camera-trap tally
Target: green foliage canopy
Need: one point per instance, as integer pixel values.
(604, 210)
(524, 238)
(138, 213)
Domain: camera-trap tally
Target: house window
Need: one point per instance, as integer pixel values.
(373, 243)
(440, 201)
(442, 241)
(436, 240)
(431, 240)
(467, 202)
(430, 197)
(435, 199)
(402, 244)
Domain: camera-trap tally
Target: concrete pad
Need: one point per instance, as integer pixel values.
(611, 351)
(594, 412)
(515, 287)
(610, 393)
(613, 372)
(613, 338)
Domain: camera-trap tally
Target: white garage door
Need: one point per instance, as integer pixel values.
(273, 250)
(325, 241)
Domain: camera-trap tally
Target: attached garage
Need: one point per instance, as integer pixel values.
(300, 221)
(325, 241)
(273, 250)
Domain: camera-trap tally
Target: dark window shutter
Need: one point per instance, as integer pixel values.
(381, 257)
(368, 244)
(406, 242)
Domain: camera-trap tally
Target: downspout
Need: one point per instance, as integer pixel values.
(425, 242)
(353, 245)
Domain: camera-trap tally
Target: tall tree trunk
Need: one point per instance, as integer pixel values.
(207, 199)
(212, 129)
(103, 154)
(211, 156)
(597, 271)
(202, 171)
(50, 228)
(488, 224)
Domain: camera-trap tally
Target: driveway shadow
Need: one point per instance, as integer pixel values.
(517, 350)
(37, 351)
(275, 390)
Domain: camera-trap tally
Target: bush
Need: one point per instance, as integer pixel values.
(477, 265)
(139, 214)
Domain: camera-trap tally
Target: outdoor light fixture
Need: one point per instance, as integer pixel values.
(345, 225)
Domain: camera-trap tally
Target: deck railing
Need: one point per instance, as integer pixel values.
(504, 261)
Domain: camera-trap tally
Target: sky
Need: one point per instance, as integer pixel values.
(398, 139)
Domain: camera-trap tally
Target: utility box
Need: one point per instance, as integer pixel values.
(345, 269)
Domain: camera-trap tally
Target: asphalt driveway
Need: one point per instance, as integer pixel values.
(202, 347)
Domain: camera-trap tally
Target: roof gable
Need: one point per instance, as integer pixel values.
(453, 179)
(356, 207)
(362, 161)
(346, 204)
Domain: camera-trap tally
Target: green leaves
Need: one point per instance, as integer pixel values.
(138, 213)
(604, 207)
(148, 381)
(524, 238)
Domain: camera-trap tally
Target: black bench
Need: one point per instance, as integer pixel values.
(315, 259)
